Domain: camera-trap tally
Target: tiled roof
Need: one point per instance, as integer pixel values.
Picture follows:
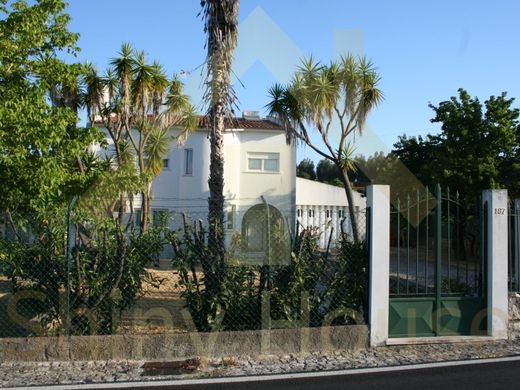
(241, 123)
(234, 123)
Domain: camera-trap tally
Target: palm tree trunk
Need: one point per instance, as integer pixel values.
(221, 27)
(216, 186)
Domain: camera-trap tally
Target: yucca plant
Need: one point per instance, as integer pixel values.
(319, 97)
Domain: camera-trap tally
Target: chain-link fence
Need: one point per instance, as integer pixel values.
(101, 274)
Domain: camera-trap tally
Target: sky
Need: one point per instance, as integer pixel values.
(423, 50)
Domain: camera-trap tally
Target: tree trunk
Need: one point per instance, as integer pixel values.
(122, 202)
(146, 207)
(216, 187)
(221, 27)
(351, 206)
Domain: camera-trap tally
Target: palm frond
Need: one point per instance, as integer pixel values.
(156, 149)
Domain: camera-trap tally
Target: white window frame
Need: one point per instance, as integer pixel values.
(263, 158)
(187, 165)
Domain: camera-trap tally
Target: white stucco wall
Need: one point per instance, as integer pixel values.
(324, 207)
(310, 192)
(175, 191)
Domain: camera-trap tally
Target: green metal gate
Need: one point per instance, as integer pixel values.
(437, 269)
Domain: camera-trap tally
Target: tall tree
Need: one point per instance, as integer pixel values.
(221, 27)
(319, 96)
(477, 147)
(306, 169)
(40, 145)
(138, 105)
(328, 172)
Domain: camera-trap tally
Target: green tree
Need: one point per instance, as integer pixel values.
(45, 163)
(327, 172)
(476, 149)
(306, 169)
(40, 145)
(318, 95)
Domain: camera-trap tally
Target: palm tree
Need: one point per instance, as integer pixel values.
(318, 95)
(221, 27)
(138, 106)
(123, 68)
(93, 92)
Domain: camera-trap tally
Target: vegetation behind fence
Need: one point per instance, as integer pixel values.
(94, 276)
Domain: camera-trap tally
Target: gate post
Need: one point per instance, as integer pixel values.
(516, 243)
(378, 199)
(497, 259)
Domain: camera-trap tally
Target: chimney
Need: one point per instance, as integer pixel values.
(251, 115)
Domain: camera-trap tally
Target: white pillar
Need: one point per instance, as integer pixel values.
(378, 199)
(517, 243)
(496, 235)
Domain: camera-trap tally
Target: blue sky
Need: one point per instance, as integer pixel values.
(423, 50)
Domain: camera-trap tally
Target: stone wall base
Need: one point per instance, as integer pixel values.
(184, 345)
(514, 316)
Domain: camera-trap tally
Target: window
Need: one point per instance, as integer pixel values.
(311, 213)
(231, 217)
(254, 164)
(263, 162)
(271, 165)
(137, 218)
(165, 163)
(159, 216)
(188, 161)
(328, 214)
(260, 229)
(341, 213)
(299, 213)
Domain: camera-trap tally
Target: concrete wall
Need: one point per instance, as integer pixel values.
(185, 345)
(325, 207)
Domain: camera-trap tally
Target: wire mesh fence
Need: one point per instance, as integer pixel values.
(101, 274)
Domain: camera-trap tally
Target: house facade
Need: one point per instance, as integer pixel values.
(263, 196)
(259, 174)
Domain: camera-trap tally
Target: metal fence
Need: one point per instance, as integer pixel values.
(436, 244)
(80, 274)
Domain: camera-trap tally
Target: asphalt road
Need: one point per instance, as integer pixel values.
(503, 376)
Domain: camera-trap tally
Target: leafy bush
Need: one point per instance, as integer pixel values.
(313, 289)
(105, 274)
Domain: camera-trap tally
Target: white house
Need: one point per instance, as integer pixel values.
(263, 195)
(259, 173)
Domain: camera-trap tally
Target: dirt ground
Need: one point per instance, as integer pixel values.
(159, 310)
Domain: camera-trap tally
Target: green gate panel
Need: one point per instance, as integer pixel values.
(411, 317)
(463, 316)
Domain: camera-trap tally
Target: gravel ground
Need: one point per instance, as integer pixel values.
(52, 373)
